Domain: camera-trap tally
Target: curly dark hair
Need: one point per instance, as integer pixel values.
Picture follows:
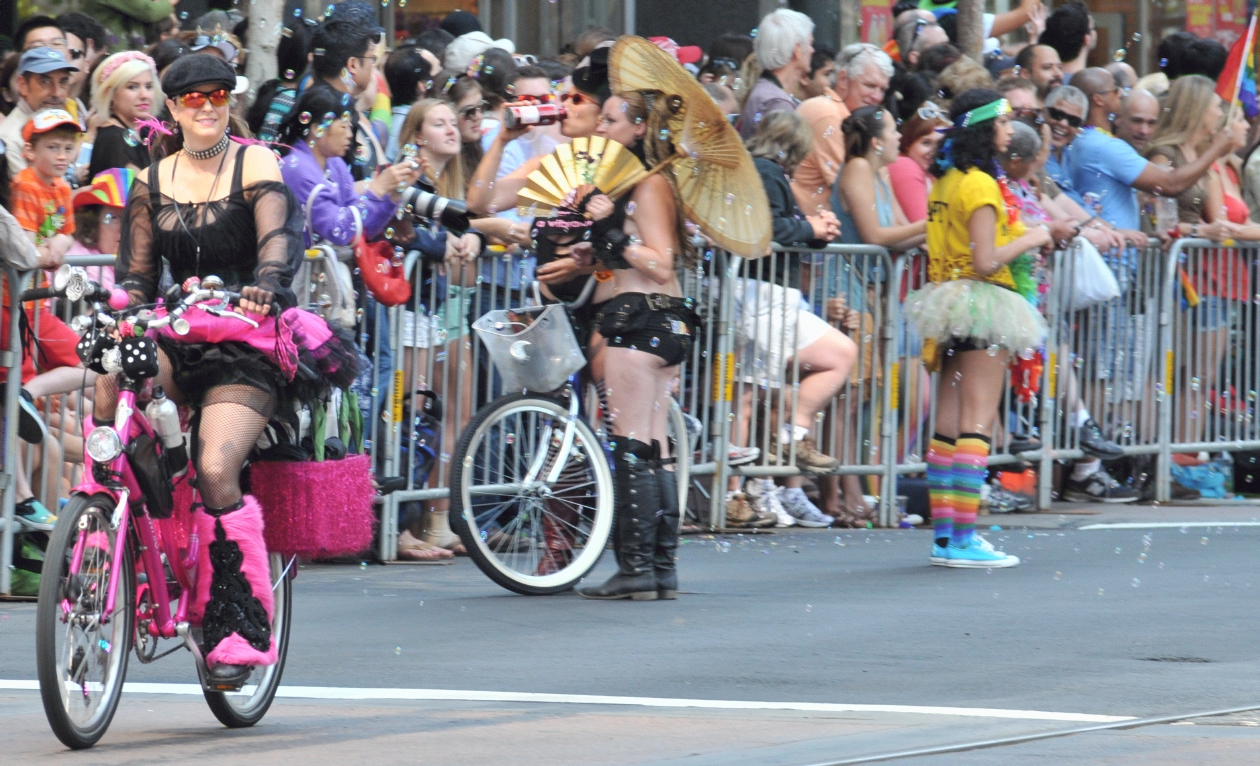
(967, 148)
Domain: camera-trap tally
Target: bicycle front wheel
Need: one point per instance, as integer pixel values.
(240, 709)
(531, 494)
(81, 648)
(683, 449)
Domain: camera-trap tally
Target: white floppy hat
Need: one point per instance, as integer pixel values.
(464, 48)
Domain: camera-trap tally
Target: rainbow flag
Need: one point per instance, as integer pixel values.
(1237, 83)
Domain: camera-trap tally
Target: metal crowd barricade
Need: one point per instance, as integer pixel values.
(761, 326)
(434, 349)
(1210, 369)
(11, 360)
(1168, 366)
(458, 369)
(1103, 358)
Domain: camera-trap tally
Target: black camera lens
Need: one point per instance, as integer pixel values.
(451, 213)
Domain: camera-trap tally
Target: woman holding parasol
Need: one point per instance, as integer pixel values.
(646, 327)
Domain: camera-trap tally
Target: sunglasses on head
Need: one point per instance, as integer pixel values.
(195, 99)
(577, 99)
(1062, 116)
(930, 111)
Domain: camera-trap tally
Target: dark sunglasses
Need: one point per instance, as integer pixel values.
(195, 99)
(1061, 116)
(469, 112)
(1028, 115)
(577, 99)
(76, 53)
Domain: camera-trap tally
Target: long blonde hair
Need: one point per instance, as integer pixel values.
(103, 91)
(1187, 101)
(450, 183)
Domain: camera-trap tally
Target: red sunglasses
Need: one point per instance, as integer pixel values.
(195, 99)
(577, 99)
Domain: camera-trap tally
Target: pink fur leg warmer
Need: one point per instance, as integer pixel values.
(234, 593)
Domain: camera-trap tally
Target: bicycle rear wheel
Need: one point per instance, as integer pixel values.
(81, 651)
(533, 508)
(240, 709)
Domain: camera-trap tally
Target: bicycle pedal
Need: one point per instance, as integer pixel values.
(227, 678)
(219, 686)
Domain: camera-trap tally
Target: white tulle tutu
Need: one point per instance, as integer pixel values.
(969, 309)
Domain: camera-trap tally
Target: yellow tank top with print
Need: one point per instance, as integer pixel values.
(955, 197)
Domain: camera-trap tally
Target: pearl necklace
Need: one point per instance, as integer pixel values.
(206, 154)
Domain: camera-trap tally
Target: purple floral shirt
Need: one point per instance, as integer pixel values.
(336, 214)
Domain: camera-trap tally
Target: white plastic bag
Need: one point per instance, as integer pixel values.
(1092, 281)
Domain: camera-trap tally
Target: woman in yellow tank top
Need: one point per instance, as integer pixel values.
(971, 317)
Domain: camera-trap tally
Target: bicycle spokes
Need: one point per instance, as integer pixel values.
(87, 639)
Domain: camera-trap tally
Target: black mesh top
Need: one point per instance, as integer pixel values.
(253, 236)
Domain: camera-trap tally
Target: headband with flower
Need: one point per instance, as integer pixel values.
(118, 59)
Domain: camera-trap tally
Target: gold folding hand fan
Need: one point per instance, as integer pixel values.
(569, 173)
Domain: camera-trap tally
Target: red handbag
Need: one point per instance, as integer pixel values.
(382, 273)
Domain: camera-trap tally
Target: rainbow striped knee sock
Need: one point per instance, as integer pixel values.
(971, 454)
(940, 476)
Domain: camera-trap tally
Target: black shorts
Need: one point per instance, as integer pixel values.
(657, 324)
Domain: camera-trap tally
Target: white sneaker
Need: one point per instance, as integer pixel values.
(742, 455)
(766, 497)
(804, 512)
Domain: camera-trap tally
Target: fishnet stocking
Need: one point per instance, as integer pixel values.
(232, 419)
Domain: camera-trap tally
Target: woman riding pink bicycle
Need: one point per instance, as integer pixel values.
(212, 206)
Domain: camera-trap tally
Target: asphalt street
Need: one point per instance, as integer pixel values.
(1095, 623)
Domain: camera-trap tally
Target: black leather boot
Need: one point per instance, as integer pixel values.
(666, 536)
(638, 500)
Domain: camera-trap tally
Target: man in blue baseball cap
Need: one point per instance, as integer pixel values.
(43, 82)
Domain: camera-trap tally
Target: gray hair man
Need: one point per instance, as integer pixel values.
(862, 75)
(784, 47)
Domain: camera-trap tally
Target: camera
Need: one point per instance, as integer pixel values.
(451, 213)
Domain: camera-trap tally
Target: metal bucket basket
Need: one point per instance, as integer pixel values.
(532, 348)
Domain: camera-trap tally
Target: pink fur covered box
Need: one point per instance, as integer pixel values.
(316, 509)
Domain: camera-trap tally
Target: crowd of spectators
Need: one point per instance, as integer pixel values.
(843, 141)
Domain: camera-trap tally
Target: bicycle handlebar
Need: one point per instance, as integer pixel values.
(40, 293)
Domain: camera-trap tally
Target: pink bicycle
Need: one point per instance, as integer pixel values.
(121, 565)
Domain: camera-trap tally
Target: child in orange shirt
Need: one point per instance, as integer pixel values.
(40, 202)
(39, 196)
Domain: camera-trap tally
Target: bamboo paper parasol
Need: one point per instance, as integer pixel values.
(719, 186)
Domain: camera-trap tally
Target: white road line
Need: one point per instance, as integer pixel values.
(1169, 525)
(455, 695)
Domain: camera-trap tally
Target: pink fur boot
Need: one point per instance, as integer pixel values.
(234, 601)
